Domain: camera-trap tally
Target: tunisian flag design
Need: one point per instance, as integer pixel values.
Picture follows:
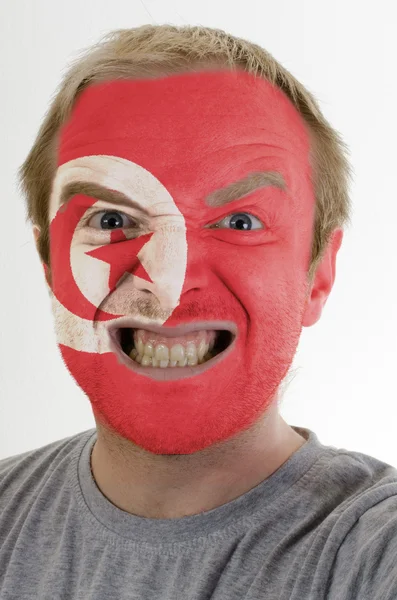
(84, 277)
(166, 144)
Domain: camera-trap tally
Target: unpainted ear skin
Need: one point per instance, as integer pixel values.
(323, 281)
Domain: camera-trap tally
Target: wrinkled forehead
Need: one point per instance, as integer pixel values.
(188, 127)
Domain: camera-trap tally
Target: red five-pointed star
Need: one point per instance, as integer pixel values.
(123, 257)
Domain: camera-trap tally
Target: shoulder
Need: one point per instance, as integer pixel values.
(21, 474)
(365, 564)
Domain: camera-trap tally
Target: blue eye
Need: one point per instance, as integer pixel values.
(111, 219)
(241, 221)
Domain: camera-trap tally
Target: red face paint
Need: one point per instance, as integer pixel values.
(167, 144)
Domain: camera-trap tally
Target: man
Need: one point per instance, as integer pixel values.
(187, 234)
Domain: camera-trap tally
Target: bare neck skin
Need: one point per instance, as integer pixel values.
(176, 486)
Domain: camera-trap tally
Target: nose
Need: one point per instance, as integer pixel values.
(176, 264)
(197, 270)
(166, 291)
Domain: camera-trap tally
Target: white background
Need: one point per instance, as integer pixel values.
(344, 385)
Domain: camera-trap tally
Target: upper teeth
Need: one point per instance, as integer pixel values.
(170, 351)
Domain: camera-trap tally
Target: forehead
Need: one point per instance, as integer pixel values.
(204, 128)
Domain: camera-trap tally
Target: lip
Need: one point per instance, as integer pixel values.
(170, 373)
(174, 331)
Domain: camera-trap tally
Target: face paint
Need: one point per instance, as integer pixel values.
(167, 144)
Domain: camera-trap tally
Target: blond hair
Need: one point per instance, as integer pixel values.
(158, 50)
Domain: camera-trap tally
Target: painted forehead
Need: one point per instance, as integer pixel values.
(155, 122)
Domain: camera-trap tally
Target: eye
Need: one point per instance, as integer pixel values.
(240, 221)
(111, 219)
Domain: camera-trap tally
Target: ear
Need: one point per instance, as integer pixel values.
(36, 235)
(323, 281)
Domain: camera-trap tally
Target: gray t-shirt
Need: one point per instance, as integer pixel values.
(323, 526)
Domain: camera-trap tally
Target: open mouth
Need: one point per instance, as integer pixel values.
(148, 349)
(171, 353)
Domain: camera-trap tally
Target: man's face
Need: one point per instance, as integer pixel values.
(139, 238)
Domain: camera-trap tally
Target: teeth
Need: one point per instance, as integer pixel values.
(139, 346)
(202, 350)
(177, 352)
(160, 355)
(148, 349)
(191, 354)
(146, 360)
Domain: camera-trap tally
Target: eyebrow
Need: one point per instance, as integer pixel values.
(231, 192)
(245, 186)
(100, 192)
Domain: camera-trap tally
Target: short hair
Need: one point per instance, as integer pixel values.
(158, 50)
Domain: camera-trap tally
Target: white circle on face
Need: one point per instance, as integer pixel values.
(164, 256)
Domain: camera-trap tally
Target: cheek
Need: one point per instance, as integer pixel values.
(91, 275)
(69, 272)
(269, 283)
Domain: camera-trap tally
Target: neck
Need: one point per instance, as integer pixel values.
(175, 486)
